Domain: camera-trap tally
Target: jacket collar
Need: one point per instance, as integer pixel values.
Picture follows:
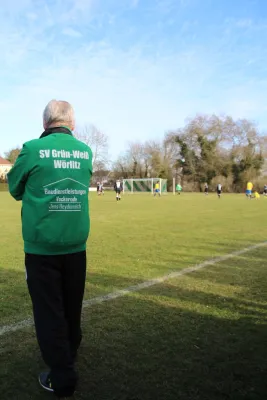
(56, 129)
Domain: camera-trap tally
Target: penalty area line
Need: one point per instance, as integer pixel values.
(6, 329)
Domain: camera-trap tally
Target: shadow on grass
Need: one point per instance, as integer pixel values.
(190, 254)
(244, 308)
(247, 272)
(15, 300)
(146, 350)
(137, 348)
(14, 297)
(168, 342)
(112, 281)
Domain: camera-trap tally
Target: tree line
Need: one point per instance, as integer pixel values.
(208, 148)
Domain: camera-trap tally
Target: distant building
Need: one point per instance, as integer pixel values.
(5, 167)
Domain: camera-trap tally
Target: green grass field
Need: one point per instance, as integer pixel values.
(200, 336)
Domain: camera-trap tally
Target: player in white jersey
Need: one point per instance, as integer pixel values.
(219, 190)
(100, 189)
(118, 189)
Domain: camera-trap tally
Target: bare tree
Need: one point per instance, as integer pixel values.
(12, 154)
(98, 142)
(209, 148)
(152, 156)
(122, 168)
(134, 154)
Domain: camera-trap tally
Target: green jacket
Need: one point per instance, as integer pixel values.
(52, 176)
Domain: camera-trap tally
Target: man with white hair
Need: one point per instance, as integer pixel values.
(51, 176)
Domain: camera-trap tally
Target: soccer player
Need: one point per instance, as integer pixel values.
(206, 189)
(157, 190)
(101, 189)
(219, 190)
(178, 188)
(118, 189)
(97, 187)
(249, 190)
(265, 190)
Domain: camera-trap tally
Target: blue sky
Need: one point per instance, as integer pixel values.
(134, 68)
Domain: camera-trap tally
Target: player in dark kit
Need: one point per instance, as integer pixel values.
(118, 189)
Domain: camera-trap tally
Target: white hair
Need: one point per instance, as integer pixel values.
(58, 112)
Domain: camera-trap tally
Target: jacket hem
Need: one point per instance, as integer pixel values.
(48, 250)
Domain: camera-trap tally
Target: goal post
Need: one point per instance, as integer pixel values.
(146, 185)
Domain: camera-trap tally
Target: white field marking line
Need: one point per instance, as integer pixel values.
(135, 288)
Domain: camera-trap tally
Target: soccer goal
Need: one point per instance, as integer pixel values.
(147, 185)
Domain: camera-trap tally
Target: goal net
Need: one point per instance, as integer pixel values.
(147, 185)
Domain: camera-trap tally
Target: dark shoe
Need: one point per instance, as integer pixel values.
(45, 382)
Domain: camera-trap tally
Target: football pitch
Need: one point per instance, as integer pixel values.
(194, 334)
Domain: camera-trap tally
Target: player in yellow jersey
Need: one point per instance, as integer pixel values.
(249, 189)
(157, 190)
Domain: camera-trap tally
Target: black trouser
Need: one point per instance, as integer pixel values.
(56, 286)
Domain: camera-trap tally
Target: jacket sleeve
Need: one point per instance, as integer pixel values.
(17, 176)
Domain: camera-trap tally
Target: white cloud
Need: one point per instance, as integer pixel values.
(71, 32)
(78, 11)
(122, 93)
(32, 16)
(134, 3)
(244, 23)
